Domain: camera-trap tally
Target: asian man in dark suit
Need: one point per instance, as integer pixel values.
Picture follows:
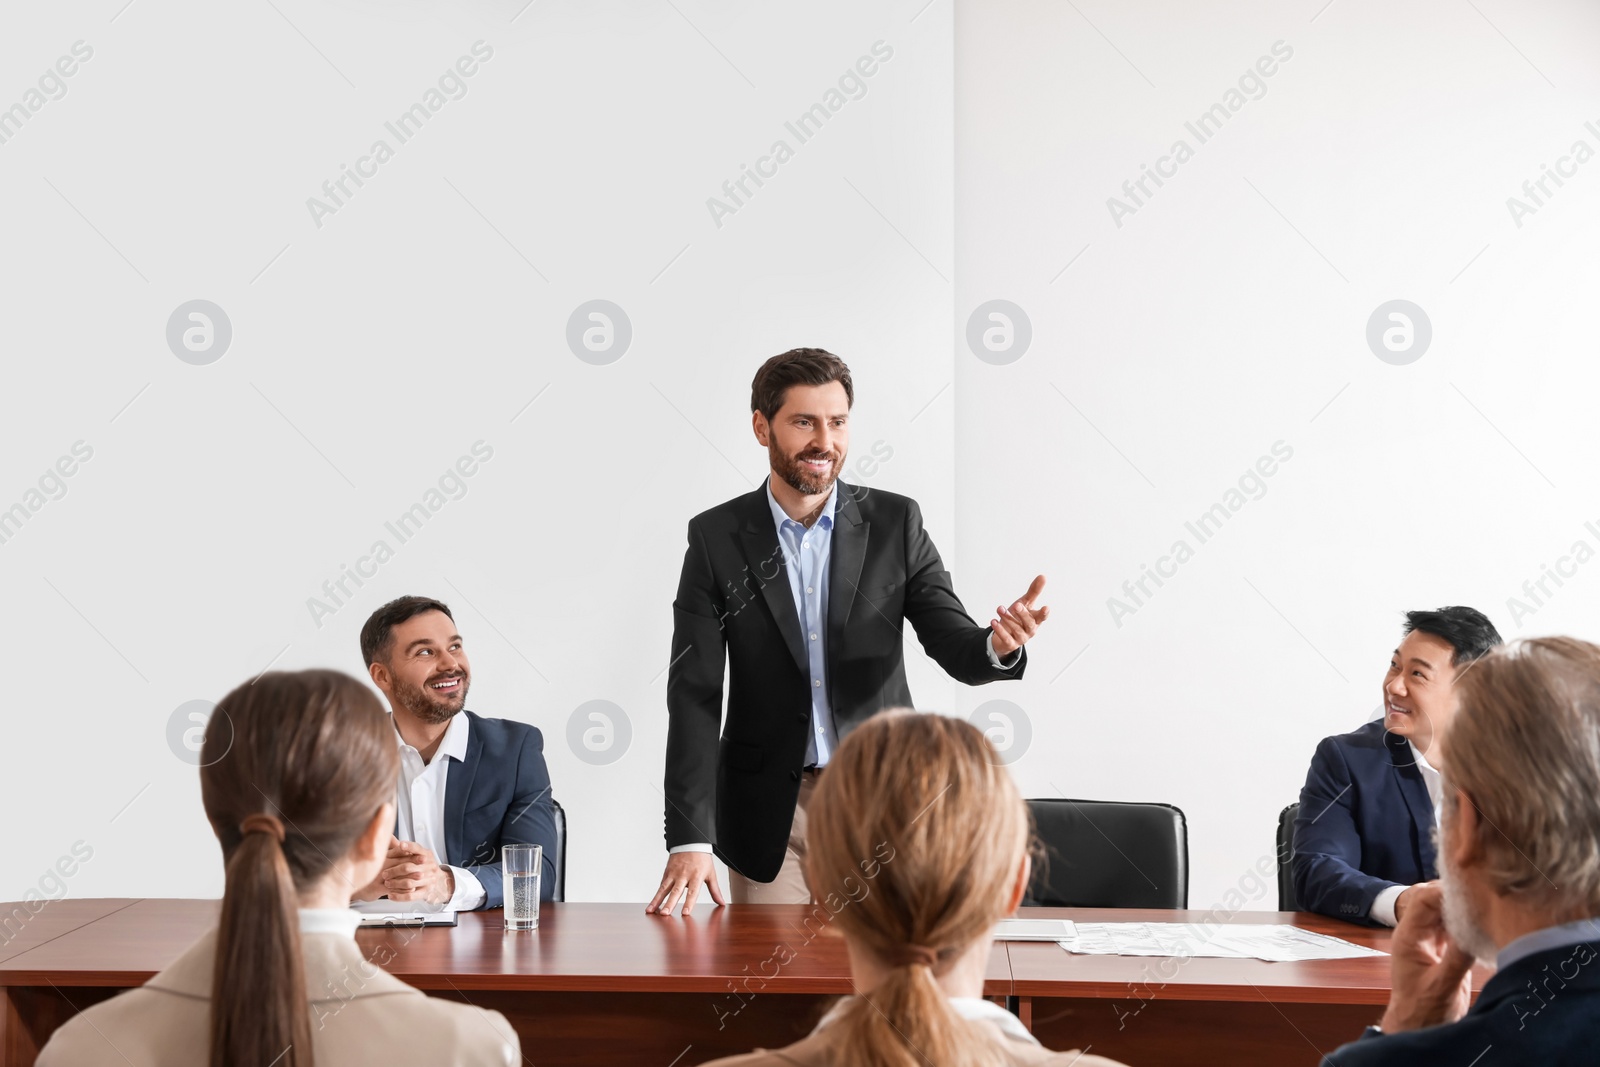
(468, 785)
(1363, 836)
(803, 587)
(1519, 888)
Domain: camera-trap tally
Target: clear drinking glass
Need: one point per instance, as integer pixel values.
(520, 867)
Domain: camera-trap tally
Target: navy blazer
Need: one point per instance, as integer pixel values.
(1365, 823)
(499, 795)
(1542, 1011)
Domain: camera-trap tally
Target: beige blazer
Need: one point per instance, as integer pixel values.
(824, 1049)
(359, 1014)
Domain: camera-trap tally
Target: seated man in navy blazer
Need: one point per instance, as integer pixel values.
(1363, 836)
(468, 785)
(1519, 860)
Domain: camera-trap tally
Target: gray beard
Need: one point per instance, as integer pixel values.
(1461, 918)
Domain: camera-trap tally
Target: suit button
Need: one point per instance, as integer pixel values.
(794, 776)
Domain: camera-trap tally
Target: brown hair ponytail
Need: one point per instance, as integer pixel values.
(919, 828)
(293, 769)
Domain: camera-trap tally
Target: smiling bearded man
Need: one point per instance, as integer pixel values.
(468, 785)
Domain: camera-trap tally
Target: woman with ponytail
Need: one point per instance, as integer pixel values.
(297, 777)
(917, 833)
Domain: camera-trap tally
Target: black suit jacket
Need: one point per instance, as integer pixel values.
(499, 795)
(1542, 1011)
(735, 783)
(1365, 823)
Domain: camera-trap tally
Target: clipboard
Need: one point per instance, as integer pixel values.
(408, 918)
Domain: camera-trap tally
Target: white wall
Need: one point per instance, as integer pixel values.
(379, 347)
(424, 315)
(1230, 313)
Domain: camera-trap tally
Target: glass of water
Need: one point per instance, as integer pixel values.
(520, 867)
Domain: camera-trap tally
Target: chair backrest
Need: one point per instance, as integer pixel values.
(1108, 854)
(1286, 898)
(559, 891)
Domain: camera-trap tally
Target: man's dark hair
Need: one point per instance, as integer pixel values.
(378, 633)
(1467, 630)
(798, 366)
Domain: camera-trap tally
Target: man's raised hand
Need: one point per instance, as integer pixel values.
(1018, 623)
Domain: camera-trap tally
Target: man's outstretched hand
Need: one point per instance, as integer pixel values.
(1018, 623)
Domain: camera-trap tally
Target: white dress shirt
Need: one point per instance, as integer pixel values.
(806, 552)
(1382, 909)
(419, 806)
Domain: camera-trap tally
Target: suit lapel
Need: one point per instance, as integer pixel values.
(458, 784)
(1415, 793)
(845, 558)
(765, 567)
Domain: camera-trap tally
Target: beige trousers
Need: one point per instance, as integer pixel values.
(789, 887)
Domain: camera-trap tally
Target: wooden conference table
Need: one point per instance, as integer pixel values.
(607, 984)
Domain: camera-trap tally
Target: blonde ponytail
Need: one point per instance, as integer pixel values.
(908, 1022)
(929, 793)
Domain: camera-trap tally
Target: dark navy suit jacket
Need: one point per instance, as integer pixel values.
(1365, 823)
(1542, 1011)
(499, 795)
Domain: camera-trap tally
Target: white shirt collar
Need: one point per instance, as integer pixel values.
(1431, 781)
(975, 1009)
(779, 516)
(454, 742)
(341, 921)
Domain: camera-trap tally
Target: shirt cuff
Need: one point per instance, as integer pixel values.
(1382, 910)
(698, 846)
(994, 659)
(469, 894)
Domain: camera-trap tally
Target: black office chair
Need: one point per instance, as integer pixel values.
(1286, 897)
(1108, 854)
(559, 891)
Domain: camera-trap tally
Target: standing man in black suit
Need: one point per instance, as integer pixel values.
(801, 585)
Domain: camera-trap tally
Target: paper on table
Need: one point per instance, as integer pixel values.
(1261, 941)
(1034, 930)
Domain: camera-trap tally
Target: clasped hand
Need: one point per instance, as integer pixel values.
(410, 873)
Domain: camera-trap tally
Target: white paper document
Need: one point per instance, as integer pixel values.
(1246, 941)
(1034, 930)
